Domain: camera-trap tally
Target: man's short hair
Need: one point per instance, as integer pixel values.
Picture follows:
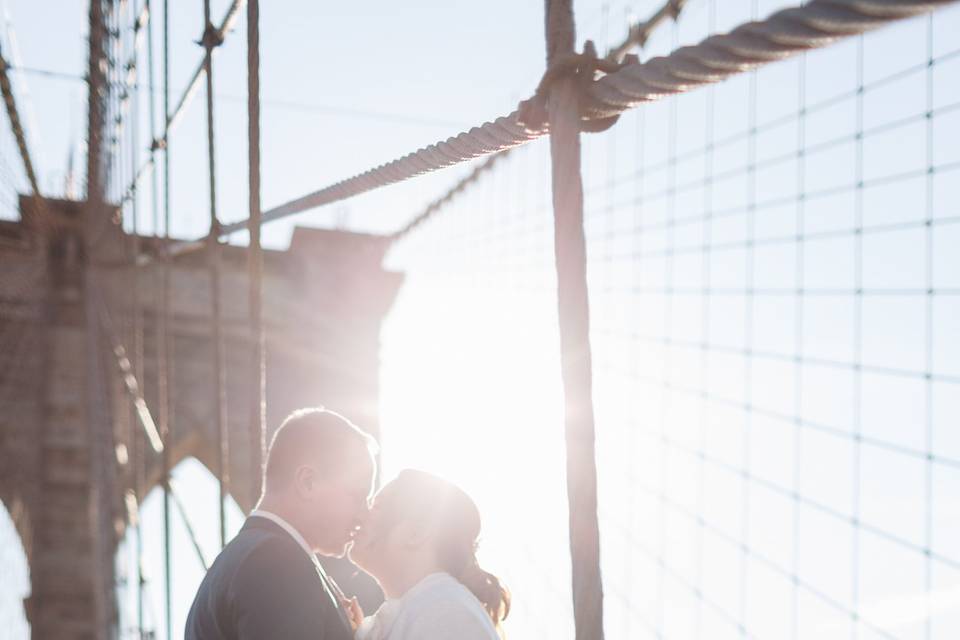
(314, 436)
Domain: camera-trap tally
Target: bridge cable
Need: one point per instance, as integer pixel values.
(138, 410)
(255, 253)
(16, 124)
(124, 366)
(141, 21)
(191, 532)
(39, 214)
(131, 384)
(155, 216)
(573, 308)
(172, 118)
(163, 338)
(638, 35)
(623, 87)
(212, 38)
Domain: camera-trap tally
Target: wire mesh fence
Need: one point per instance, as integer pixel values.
(774, 311)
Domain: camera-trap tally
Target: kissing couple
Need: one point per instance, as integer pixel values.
(417, 537)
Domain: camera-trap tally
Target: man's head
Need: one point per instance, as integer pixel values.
(320, 471)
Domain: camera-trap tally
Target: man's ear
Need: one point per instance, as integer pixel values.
(305, 480)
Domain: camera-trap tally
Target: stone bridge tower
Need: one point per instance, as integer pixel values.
(67, 434)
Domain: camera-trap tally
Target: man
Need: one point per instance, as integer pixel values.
(267, 583)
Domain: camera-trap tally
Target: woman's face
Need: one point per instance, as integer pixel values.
(376, 544)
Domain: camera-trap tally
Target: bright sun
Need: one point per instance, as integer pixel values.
(484, 409)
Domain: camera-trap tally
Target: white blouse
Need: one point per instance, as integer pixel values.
(438, 607)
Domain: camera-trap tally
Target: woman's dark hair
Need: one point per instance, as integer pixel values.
(488, 589)
(454, 517)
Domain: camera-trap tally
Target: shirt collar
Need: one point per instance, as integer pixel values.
(286, 526)
(336, 595)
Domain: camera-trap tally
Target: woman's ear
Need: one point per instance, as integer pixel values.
(413, 533)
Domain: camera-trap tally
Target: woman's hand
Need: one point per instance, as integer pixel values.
(354, 612)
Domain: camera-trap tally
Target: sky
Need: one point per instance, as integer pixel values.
(338, 96)
(776, 450)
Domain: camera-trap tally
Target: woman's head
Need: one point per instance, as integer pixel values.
(419, 524)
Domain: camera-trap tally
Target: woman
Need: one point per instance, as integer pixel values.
(419, 542)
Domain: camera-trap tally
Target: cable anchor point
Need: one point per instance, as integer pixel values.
(211, 38)
(584, 68)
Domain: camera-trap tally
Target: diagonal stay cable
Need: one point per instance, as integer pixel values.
(749, 46)
(39, 209)
(188, 524)
(194, 85)
(17, 125)
(639, 32)
(219, 33)
(131, 385)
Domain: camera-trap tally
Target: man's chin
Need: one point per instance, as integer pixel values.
(340, 552)
(334, 549)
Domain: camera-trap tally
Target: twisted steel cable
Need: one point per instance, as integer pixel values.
(747, 47)
(438, 204)
(785, 33)
(638, 35)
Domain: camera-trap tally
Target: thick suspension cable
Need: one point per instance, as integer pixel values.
(751, 45)
(438, 204)
(638, 35)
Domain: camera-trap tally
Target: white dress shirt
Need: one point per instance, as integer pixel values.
(289, 528)
(438, 607)
(336, 594)
(331, 587)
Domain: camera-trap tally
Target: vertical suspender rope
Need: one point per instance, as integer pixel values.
(97, 82)
(258, 405)
(210, 40)
(574, 319)
(163, 347)
(136, 441)
(95, 411)
(155, 213)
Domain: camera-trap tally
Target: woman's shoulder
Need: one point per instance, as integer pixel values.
(441, 604)
(438, 587)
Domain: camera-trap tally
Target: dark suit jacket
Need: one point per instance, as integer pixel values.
(263, 586)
